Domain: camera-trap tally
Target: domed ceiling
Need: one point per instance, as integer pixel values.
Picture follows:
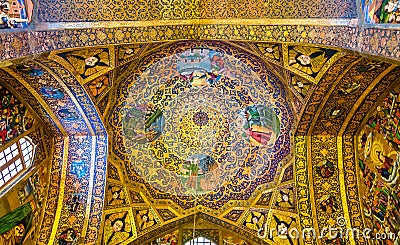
(201, 125)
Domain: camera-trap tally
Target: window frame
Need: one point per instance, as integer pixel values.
(205, 241)
(19, 156)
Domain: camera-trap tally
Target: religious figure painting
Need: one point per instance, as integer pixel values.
(119, 228)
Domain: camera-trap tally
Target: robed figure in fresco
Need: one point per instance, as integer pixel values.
(261, 125)
(14, 225)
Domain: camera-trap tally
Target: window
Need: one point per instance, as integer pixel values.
(200, 241)
(16, 158)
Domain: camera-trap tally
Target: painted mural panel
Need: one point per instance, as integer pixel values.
(381, 11)
(286, 198)
(309, 62)
(87, 64)
(14, 116)
(255, 219)
(119, 227)
(116, 195)
(20, 210)
(145, 219)
(270, 51)
(15, 13)
(379, 160)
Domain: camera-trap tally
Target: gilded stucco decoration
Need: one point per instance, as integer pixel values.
(365, 39)
(353, 82)
(191, 9)
(346, 91)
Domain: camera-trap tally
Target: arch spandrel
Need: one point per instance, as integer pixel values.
(76, 158)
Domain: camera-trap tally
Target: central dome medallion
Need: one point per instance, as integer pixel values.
(194, 119)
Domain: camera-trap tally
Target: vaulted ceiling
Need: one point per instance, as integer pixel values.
(227, 116)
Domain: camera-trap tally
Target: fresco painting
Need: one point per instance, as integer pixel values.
(381, 11)
(68, 237)
(181, 128)
(301, 86)
(119, 228)
(15, 225)
(32, 71)
(145, 219)
(308, 62)
(68, 114)
(200, 173)
(269, 50)
(53, 93)
(286, 198)
(261, 125)
(15, 117)
(255, 220)
(378, 158)
(116, 195)
(87, 62)
(128, 52)
(21, 208)
(144, 123)
(15, 13)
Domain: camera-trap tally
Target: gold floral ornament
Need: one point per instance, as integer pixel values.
(117, 228)
(309, 60)
(88, 61)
